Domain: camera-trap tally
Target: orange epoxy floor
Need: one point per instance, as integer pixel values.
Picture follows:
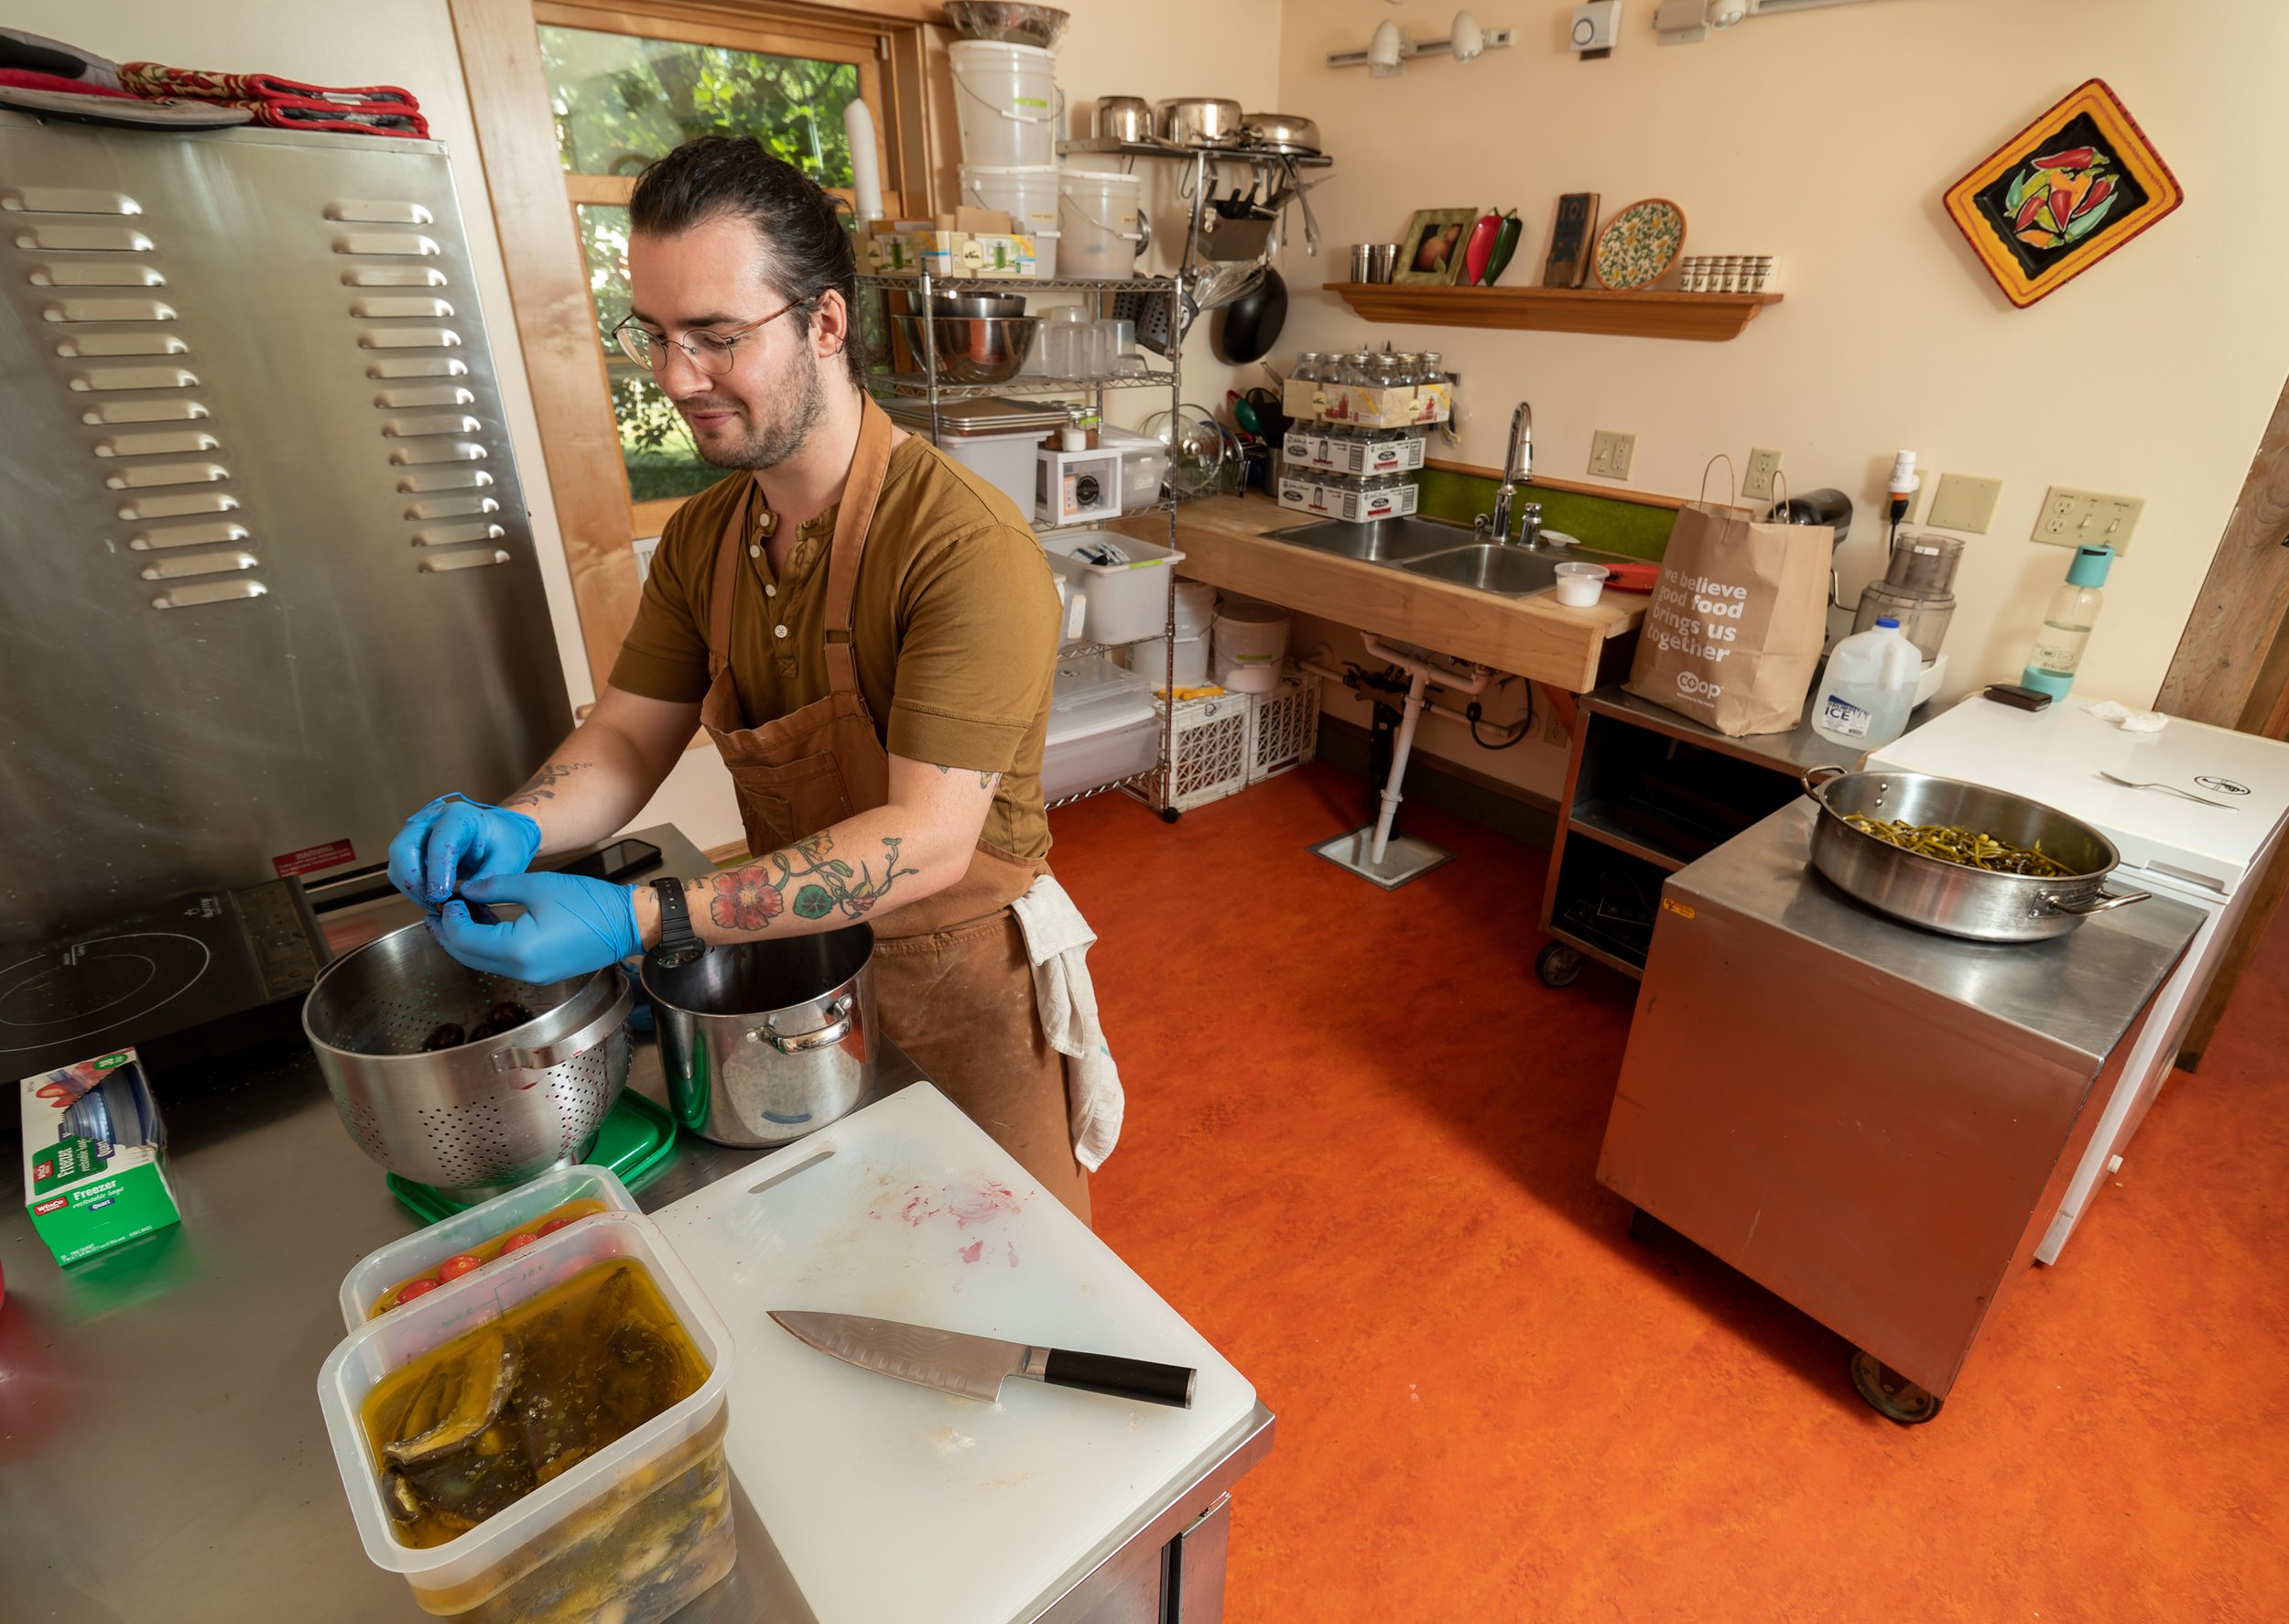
(1359, 1156)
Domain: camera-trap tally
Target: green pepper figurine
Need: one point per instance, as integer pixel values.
(1506, 235)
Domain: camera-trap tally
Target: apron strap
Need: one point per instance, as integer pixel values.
(726, 579)
(868, 464)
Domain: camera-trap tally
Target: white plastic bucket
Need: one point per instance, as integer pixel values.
(1101, 215)
(1196, 607)
(1028, 195)
(1249, 630)
(1005, 100)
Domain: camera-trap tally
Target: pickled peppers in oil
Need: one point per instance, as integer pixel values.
(466, 1430)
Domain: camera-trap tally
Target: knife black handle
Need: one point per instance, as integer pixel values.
(1121, 1378)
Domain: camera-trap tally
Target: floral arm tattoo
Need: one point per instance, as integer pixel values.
(750, 897)
(541, 786)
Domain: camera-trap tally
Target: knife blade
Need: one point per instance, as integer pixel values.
(975, 1367)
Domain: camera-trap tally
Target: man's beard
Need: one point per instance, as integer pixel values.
(768, 445)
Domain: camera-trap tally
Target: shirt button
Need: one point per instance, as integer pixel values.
(769, 590)
(754, 552)
(778, 631)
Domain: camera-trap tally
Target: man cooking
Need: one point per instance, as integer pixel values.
(867, 632)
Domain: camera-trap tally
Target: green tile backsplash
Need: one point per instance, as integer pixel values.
(1608, 523)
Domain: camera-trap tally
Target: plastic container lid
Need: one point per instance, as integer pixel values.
(989, 49)
(379, 1347)
(1244, 612)
(458, 1231)
(1109, 178)
(1885, 620)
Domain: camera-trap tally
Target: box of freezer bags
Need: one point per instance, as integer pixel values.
(94, 1167)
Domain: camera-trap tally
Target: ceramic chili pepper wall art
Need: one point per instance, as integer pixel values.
(1507, 231)
(2062, 194)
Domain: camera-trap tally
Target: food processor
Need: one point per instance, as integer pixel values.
(1918, 591)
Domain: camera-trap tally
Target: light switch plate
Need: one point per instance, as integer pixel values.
(2071, 518)
(1756, 484)
(1610, 453)
(1964, 502)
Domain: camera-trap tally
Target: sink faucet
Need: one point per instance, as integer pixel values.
(1517, 470)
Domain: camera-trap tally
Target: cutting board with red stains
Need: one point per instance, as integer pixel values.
(890, 1502)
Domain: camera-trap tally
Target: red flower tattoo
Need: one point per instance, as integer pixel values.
(743, 899)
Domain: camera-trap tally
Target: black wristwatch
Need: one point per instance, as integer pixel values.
(678, 944)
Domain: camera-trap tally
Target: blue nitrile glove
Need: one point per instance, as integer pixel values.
(452, 840)
(571, 924)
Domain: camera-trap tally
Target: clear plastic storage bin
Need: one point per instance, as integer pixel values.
(1127, 601)
(424, 1249)
(631, 1533)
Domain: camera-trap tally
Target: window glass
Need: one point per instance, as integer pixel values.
(654, 445)
(621, 101)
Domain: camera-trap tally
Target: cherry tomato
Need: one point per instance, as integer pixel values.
(458, 1264)
(518, 1242)
(553, 1225)
(412, 1289)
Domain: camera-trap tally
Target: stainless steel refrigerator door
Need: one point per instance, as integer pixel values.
(270, 584)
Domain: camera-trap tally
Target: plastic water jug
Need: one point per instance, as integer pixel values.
(1867, 687)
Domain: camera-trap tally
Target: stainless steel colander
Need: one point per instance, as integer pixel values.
(484, 1117)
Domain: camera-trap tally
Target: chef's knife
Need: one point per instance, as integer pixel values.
(953, 1361)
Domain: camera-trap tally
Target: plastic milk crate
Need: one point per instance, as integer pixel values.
(1209, 757)
(1282, 727)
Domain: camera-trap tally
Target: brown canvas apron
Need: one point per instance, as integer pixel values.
(951, 974)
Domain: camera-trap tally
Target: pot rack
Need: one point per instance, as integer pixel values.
(1206, 163)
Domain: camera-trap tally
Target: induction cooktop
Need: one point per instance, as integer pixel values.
(206, 973)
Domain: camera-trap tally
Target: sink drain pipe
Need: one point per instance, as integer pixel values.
(1421, 674)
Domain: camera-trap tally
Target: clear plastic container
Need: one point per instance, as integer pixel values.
(1126, 600)
(631, 1533)
(1867, 687)
(1579, 585)
(424, 1249)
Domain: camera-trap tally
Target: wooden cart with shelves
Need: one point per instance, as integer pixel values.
(1648, 791)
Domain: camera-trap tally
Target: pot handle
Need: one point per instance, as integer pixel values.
(2104, 901)
(1816, 779)
(837, 1028)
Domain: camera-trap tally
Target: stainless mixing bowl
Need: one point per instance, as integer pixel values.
(487, 1116)
(974, 349)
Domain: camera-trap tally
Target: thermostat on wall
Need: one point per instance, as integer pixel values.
(1596, 27)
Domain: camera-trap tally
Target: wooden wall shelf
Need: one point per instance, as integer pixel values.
(1710, 318)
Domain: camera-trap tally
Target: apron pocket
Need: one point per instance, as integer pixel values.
(779, 806)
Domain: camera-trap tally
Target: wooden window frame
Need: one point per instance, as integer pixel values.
(533, 198)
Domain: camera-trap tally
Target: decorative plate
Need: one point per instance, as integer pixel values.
(1638, 244)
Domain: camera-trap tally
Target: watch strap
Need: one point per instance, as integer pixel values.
(675, 934)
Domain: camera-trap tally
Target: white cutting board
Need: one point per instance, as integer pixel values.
(890, 1502)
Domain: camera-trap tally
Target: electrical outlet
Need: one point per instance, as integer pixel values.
(1965, 501)
(1757, 485)
(1610, 453)
(2071, 518)
(1554, 730)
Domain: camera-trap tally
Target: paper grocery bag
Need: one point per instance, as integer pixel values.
(1732, 634)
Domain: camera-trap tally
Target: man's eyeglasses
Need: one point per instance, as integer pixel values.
(711, 353)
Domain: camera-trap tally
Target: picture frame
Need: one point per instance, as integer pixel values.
(1433, 234)
(1573, 229)
(2077, 184)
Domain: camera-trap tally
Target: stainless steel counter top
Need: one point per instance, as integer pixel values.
(161, 1451)
(2078, 992)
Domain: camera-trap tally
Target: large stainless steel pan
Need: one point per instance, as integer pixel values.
(1199, 120)
(1946, 897)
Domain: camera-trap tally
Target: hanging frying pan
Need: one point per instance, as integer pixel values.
(1249, 326)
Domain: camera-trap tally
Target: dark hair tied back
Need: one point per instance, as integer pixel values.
(808, 251)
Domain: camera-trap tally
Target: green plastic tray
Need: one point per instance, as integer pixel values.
(635, 1142)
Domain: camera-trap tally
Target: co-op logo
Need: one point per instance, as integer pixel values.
(2224, 786)
(1692, 682)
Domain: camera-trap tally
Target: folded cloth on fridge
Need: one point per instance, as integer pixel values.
(287, 103)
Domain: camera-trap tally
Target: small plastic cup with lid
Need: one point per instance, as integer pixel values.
(1580, 584)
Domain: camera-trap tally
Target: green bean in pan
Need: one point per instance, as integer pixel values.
(1971, 847)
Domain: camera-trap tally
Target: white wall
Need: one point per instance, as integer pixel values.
(410, 43)
(1827, 139)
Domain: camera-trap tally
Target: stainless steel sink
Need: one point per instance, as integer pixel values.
(1383, 541)
(1508, 571)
